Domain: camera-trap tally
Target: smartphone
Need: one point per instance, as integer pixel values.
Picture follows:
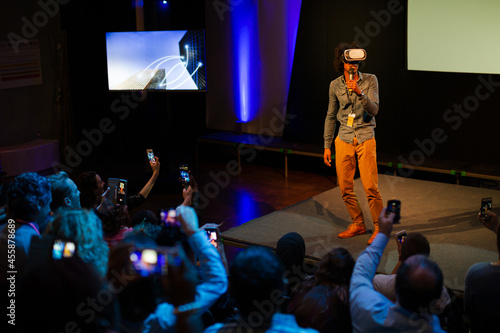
(212, 236)
(149, 261)
(184, 171)
(169, 217)
(62, 249)
(401, 236)
(118, 190)
(394, 206)
(151, 155)
(486, 206)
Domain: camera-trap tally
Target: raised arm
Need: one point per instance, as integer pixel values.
(213, 275)
(155, 166)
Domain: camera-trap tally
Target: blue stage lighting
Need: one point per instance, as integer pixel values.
(246, 60)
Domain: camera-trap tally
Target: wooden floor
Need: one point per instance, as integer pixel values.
(259, 190)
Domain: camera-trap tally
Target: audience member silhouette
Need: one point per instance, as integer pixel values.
(257, 286)
(28, 200)
(64, 295)
(482, 290)
(137, 295)
(65, 193)
(291, 252)
(28, 205)
(145, 215)
(115, 224)
(84, 228)
(91, 188)
(323, 302)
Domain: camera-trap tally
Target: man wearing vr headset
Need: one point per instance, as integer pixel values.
(354, 102)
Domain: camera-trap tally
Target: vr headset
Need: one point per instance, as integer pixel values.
(354, 55)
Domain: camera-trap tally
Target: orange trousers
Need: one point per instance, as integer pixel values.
(345, 163)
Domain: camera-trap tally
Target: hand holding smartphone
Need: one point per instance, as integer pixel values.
(62, 249)
(486, 206)
(212, 236)
(394, 206)
(118, 189)
(401, 236)
(212, 233)
(150, 261)
(151, 155)
(169, 218)
(184, 172)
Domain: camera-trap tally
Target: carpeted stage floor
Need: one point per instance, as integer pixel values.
(446, 214)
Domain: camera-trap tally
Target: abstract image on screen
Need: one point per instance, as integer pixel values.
(156, 60)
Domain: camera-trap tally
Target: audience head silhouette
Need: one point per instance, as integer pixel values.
(419, 282)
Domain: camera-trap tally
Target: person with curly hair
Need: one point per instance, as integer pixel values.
(354, 102)
(28, 204)
(84, 228)
(323, 302)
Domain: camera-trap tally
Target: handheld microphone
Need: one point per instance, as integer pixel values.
(351, 77)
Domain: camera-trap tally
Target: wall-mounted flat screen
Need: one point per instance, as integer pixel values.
(458, 36)
(156, 60)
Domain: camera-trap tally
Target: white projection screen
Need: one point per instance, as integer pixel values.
(454, 36)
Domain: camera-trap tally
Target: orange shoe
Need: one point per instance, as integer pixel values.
(353, 230)
(374, 234)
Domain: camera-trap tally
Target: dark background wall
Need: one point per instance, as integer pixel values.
(249, 43)
(98, 123)
(26, 112)
(413, 105)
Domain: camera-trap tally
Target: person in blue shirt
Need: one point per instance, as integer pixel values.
(419, 282)
(213, 277)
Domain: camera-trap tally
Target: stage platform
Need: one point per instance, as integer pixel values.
(445, 213)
